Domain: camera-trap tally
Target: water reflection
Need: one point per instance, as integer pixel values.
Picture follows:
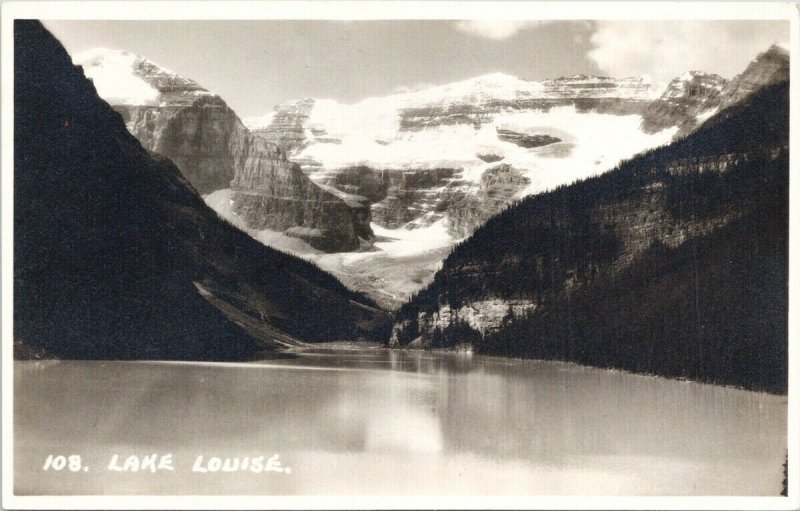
(376, 421)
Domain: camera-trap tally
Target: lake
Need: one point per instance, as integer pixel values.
(371, 421)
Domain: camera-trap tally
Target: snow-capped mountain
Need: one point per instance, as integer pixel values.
(124, 78)
(474, 102)
(176, 117)
(431, 153)
(692, 84)
(436, 163)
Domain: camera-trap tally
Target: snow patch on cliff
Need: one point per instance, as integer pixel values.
(591, 144)
(258, 122)
(112, 72)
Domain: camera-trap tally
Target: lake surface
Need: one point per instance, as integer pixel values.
(381, 422)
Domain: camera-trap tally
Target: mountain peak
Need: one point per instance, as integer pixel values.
(487, 83)
(125, 78)
(780, 48)
(497, 77)
(101, 55)
(777, 52)
(694, 83)
(695, 74)
(769, 67)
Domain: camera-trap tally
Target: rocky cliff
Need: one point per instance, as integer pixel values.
(498, 187)
(767, 68)
(117, 256)
(397, 197)
(476, 102)
(177, 118)
(285, 127)
(685, 101)
(674, 263)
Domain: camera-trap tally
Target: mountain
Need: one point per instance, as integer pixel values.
(691, 98)
(177, 118)
(674, 263)
(116, 256)
(429, 149)
(695, 96)
(769, 67)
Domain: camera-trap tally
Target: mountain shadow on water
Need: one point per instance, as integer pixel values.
(117, 257)
(675, 263)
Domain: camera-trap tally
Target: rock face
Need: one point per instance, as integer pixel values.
(526, 141)
(117, 256)
(397, 197)
(285, 126)
(402, 197)
(499, 186)
(476, 102)
(334, 222)
(675, 263)
(214, 150)
(684, 102)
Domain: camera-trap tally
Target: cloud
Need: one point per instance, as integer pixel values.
(497, 30)
(665, 49)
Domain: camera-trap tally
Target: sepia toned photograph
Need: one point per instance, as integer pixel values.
(382, 255)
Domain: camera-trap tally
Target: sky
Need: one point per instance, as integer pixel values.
(254, 65)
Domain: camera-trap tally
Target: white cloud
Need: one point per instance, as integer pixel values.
(496, 29)
(665, 49)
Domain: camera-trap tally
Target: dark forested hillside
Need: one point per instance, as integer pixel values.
(115, 254)
(675, 263)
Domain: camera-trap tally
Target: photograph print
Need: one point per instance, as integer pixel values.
(308, 255)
